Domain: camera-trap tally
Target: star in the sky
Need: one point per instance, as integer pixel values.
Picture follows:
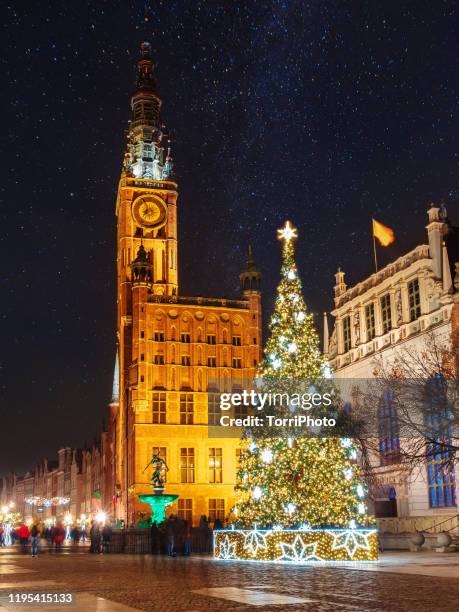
(351, 540)
(299, 551)
(288, 232)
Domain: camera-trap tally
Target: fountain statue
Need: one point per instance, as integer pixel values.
(158, 500)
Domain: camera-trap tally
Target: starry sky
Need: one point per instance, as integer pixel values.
(324, 113)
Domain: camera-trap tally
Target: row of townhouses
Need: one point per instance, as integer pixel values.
(74, 485)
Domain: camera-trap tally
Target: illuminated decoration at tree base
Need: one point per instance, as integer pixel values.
(296, 545)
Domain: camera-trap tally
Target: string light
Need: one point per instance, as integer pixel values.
(296, 546)
(312, 488)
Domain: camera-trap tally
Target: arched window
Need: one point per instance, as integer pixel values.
(389, 430)
(440, 455)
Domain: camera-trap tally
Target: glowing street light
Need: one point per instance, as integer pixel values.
(101, 517)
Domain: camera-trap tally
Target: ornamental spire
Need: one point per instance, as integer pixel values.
(116, 381)
(148, 157)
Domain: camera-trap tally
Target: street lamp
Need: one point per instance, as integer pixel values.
(101, 517)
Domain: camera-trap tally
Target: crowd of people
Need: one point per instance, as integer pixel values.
(174, 535)
(29, 537)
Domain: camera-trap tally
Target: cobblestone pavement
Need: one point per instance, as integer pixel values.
(157, 583)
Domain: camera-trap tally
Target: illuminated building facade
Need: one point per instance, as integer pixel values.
(398, 308)
(172, 349)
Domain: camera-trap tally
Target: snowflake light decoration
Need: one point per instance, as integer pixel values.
(299, 552)
(227, 550)
(351, 540)
(253, 540)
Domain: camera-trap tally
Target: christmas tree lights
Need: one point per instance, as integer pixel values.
(299, 497)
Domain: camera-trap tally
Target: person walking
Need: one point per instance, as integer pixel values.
(34, 539)
(75, 534)
(94, 534)
(106, 535)
(59, 535)
(170, 536)
(187, 538)
(23, 534)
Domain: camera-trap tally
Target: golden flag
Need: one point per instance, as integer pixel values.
(384, 234)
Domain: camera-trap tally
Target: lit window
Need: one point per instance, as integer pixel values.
(185, 509)
(215, 465)
(213, 408)
(440, 455)
(370, 321)
(187, 465)
(346, 334)
(216, 510)
(389, 431)
(186, 409)
(386, 314)
(159, 408)
(414, 299)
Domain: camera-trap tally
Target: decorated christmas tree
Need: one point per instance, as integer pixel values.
(302, 479)
(300, 494)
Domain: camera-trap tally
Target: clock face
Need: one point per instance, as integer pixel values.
(149, 211)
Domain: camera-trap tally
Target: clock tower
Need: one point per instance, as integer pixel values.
(174, 350)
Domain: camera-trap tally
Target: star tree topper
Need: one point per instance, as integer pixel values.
(288, 232)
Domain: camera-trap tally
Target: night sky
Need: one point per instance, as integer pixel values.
(325, 113)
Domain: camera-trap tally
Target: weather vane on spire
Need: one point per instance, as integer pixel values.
(288, 232)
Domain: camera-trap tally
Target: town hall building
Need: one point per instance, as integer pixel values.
(174, 352)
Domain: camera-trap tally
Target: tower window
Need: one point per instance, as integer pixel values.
(211, 362)
(186, 409)
(187, 465)
(185, 337)
(211, 339)
(215, 465)
(414, 299)
(346, 334)
(370, 321)
(159, 408)
(237, 362)
(386, 315)
(236, 340)
(159, 359)
(159, 336)
(142, 357)
(186, 360)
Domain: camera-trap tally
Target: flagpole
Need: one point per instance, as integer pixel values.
(374, 245)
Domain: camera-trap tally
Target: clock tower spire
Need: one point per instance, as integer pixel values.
(146, 210)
